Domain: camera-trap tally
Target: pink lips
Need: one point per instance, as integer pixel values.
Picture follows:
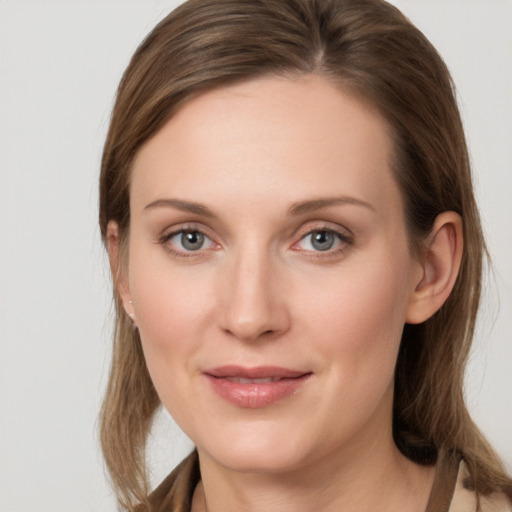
(255, 387)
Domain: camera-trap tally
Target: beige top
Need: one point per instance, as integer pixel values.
(465, 500)
(448, 493)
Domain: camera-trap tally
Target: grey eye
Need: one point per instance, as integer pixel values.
(322, 240)
(188, 241)
(192, 240)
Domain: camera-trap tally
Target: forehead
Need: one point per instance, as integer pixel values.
(271, 138)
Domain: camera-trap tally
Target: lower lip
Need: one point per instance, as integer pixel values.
(257, 395)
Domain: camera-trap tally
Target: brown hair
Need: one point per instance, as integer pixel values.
(368, 48)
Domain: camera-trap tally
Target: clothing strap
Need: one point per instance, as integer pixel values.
(447, 469)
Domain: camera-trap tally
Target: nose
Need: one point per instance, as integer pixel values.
(253, 305)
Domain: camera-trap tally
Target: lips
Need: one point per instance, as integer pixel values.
(255, 387)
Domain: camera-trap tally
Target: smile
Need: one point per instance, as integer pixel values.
(255, 387)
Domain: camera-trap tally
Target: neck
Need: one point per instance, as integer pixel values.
(366, 475)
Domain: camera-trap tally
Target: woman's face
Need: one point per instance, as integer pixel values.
(269, 272)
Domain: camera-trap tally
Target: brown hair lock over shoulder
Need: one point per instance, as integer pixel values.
(368, 48)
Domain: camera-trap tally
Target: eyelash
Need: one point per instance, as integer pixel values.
(343, 239)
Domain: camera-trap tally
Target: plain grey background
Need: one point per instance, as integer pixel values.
(60, 61)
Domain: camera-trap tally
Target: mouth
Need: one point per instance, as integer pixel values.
(242, 380)
(255, 387)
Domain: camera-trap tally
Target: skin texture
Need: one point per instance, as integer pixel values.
(259, 292)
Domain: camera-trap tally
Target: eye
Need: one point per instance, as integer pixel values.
(322, 240)
(188, 241)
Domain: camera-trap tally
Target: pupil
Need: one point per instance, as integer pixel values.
(192, 240)
(322, 240)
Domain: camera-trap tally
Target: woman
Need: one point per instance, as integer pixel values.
(287, 204)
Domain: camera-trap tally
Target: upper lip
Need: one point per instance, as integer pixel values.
(256, 372)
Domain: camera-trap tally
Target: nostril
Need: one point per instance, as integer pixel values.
(252, 334)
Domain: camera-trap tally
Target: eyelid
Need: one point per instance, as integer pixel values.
(311, 227)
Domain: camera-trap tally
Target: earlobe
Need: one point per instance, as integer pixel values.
(441, 262)
(117, 268)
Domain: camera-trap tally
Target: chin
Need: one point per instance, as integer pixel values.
(258, 453)
(258, 461)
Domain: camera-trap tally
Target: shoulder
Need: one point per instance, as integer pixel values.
(465, 500)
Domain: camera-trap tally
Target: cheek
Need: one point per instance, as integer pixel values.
(359, 314)
(172, 309)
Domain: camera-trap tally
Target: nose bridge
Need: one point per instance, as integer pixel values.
(252, 306)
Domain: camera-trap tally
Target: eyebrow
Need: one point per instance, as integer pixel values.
(184, 206)
(314, 205)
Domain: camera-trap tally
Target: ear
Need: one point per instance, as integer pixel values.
(118, 268)
(439, 268)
